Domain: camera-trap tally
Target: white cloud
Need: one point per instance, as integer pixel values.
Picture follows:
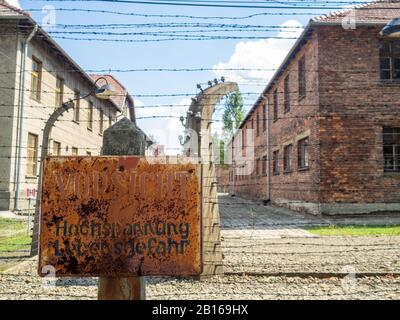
(260, 54)
(165, 130)
(14, 3)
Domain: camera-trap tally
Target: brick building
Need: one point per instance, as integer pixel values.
(122, 99)
(36, 77)
(326, 129)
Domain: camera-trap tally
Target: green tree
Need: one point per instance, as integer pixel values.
(232, 117)
(233, 114)
(219, 149)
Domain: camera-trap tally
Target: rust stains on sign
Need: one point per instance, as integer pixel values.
(119, 217)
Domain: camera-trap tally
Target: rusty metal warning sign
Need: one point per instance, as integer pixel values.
(119, 217)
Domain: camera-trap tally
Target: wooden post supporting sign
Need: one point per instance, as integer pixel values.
(123, 139)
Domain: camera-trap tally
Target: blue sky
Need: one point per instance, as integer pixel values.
(174, 54)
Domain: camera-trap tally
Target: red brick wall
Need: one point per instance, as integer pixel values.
(297, 185)
(222, 176)
(345, 108)
(252, 185)
(357, 105)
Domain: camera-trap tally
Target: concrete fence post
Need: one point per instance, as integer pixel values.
(199, 119)
(44, 151)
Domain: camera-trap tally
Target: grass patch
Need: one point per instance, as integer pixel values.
(16, 242)
(390, 230)
(11, 225)
(13, 235)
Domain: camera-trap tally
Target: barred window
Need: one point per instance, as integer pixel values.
(243, 132)
(32, 155)
(391, 149)
(275, 162)
(264, 166)
(59, 92)
(302, 77)
(258, 162)
(77, 105)
(287, 158)
(390, 60)
(90, 115)
(287, 94)
(56, 148)
(264, 118)
(302, 150)
(275, 105)
(36, 79)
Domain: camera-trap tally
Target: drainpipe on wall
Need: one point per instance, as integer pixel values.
(233, 165)
(17, 162)
(268, 150)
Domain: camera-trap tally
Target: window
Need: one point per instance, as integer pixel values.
(110, 121)
(101, 120)
(264, 118)
(88, 153)
(390, 60)
(302, 150)
(77, 105)
(90, 116)
(32, 155)
(264, 166)
(287, 158)
(59, 92)
(243, 142)
(56, 148)
(287, 94)
(258, 167)
(275, 162)
(258, 124)
(302, 78)
(74, 151)
(275, 105)
(36, 79)
(391, 149)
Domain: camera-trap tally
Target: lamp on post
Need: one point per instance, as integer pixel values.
(392, 29)
(103, 92)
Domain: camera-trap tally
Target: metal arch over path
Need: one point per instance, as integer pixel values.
(198, 124)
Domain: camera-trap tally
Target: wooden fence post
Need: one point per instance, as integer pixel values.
(123, 139)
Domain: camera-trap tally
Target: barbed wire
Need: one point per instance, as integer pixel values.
(358, 70)
(146, 15)
(227, 4)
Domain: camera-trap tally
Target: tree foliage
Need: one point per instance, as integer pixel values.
(233, 114)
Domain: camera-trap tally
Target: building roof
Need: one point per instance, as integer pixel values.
(8, 11)
(375, 12)
(122, 93)
(378, 12)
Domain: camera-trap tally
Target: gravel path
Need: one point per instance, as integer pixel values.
(306, 256)
(23, 284)
(259, 254)
(267, 255)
